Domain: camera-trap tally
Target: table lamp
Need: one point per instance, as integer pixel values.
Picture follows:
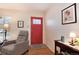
(72, 36)
(6, 27)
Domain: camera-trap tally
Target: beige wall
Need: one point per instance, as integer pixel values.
(15, 16)
(53, 27)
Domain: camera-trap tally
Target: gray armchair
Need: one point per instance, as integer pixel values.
(20, 46)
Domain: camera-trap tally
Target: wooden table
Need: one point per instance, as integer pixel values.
(66, 48)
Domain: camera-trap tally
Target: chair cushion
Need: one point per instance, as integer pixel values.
(23, 35)
(20, 39)
(8, 49)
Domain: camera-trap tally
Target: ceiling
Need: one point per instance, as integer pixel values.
(25, 6)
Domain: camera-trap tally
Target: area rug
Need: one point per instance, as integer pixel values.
(38, 46)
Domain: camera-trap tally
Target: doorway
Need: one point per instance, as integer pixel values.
(36, 30)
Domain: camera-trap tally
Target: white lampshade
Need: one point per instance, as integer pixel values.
(72, 34)
(6, 26)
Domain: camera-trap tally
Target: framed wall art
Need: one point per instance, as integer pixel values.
(20, 24)
(69, 14)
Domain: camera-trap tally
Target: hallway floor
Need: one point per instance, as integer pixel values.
(40, 51)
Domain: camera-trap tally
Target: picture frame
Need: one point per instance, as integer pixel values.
(20, 24)
(69, 15)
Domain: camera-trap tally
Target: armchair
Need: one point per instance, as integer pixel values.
(20, 46)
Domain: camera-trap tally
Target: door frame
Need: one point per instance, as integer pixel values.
(31, 27)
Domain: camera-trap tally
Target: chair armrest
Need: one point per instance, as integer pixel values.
(10, 42)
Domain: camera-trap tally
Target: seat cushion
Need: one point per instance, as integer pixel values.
(8, 49)
(20, 39)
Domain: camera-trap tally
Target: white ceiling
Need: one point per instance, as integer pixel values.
(25, 6)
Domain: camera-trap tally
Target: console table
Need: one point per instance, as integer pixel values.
(68, 49)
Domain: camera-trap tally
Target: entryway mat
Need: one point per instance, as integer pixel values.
(38, 46)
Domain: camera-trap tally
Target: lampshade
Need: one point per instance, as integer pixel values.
(6, 26)
(72, 34)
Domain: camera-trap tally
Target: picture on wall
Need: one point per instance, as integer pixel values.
(69, 14)
(20, 24)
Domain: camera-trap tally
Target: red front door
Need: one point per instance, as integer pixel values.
(36, 30)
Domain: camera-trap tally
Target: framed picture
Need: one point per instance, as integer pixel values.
(69, 14)
(20, 24)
